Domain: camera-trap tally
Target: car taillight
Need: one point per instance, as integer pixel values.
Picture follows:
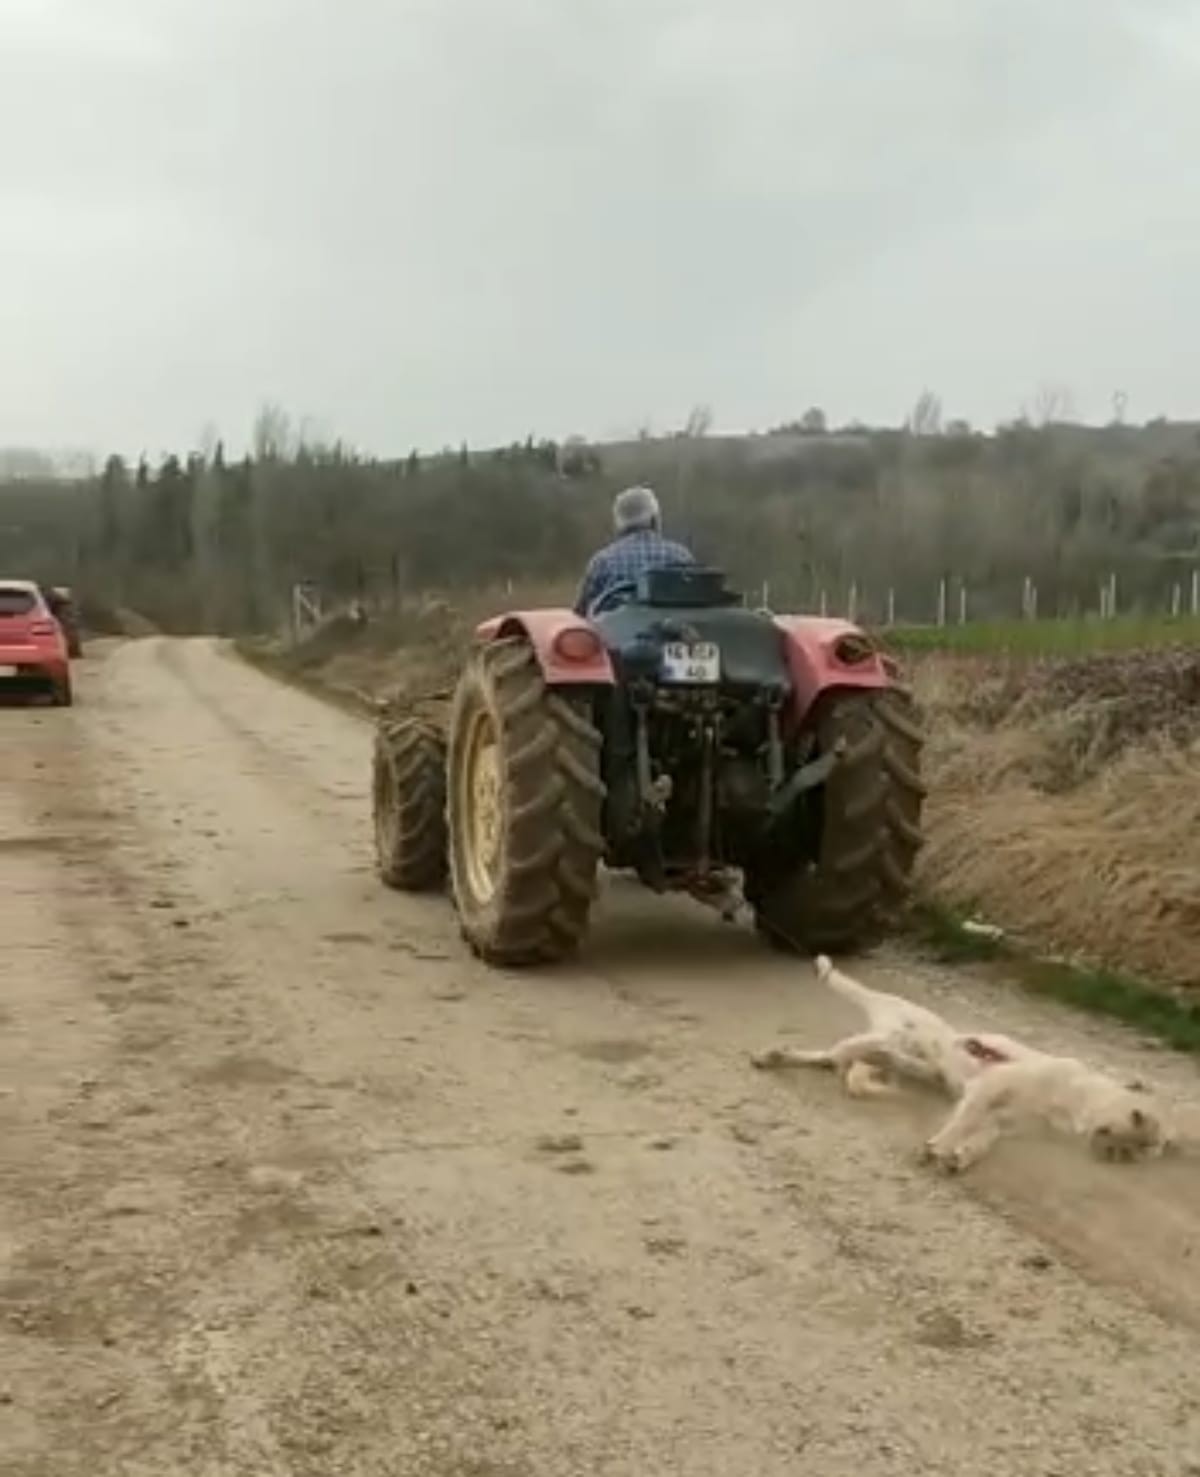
(577, 644)
(43, 628)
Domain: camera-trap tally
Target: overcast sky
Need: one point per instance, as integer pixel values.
(422, 220)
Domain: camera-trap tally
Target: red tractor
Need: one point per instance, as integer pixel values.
(729, 753)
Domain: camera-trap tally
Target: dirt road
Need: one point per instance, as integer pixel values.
(289, 1184)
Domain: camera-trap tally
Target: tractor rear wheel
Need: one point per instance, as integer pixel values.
(869, 829)
(409, 804)
(524, 800)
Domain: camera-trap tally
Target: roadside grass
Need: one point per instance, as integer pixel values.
(274, 660)
(1152, 1010)
(1047, 638)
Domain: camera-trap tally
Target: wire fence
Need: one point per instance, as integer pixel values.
(953, 601)
(1114, 614)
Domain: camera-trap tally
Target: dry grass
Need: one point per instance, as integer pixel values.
(405, 654)
(1051, 821)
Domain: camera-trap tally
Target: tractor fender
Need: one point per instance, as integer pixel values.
(824, 653)
(542, 629)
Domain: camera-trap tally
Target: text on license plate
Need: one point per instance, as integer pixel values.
(8, 671)
(682, 662)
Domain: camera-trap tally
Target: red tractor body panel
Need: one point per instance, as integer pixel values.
(543, 629)
(824, 653)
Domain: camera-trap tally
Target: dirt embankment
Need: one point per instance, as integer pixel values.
(1064, 803)
(1063, 797)
(405, 654)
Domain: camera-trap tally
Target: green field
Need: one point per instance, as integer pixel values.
(1048, 638)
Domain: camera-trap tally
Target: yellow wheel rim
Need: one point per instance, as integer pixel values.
(481, 796)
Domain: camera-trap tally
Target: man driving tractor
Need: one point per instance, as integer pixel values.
(612, 574)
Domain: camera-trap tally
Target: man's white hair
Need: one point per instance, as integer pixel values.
(636, 507)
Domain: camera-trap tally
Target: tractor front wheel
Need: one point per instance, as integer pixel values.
(409, 804)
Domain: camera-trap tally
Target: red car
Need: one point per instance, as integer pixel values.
(33, 649)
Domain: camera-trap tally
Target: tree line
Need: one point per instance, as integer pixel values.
(207, 542)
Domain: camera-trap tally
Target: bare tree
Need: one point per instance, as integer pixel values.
(925, 418)
(208, 440)
(272, 436)
(1051, 405)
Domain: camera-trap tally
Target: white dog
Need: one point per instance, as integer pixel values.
(999, 1083)
(901, 1038)
(1119, 1121)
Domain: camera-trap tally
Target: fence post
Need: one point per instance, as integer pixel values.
(765, 603)
(941, 603)
(891, 606)
(962, 604)
(1112, 596)
(1176, 598)
(824, 603)
(306, 607)
(852, 603)
(1196, 591)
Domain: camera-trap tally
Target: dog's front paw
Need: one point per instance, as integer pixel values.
(947, 1161)
(766, 1060)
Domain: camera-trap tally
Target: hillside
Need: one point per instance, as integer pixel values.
(887, 522)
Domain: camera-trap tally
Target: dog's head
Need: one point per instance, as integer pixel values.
(1130, 1127)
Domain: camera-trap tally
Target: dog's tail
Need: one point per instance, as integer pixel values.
(840, 983)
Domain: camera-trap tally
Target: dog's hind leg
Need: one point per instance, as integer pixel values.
(790, 1056)
(865, 1079)
(868, 1048)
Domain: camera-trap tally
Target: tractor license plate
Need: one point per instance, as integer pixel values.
(8, 671)
(699, 663)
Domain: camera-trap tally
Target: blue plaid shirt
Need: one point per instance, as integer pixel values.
(612, 573)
